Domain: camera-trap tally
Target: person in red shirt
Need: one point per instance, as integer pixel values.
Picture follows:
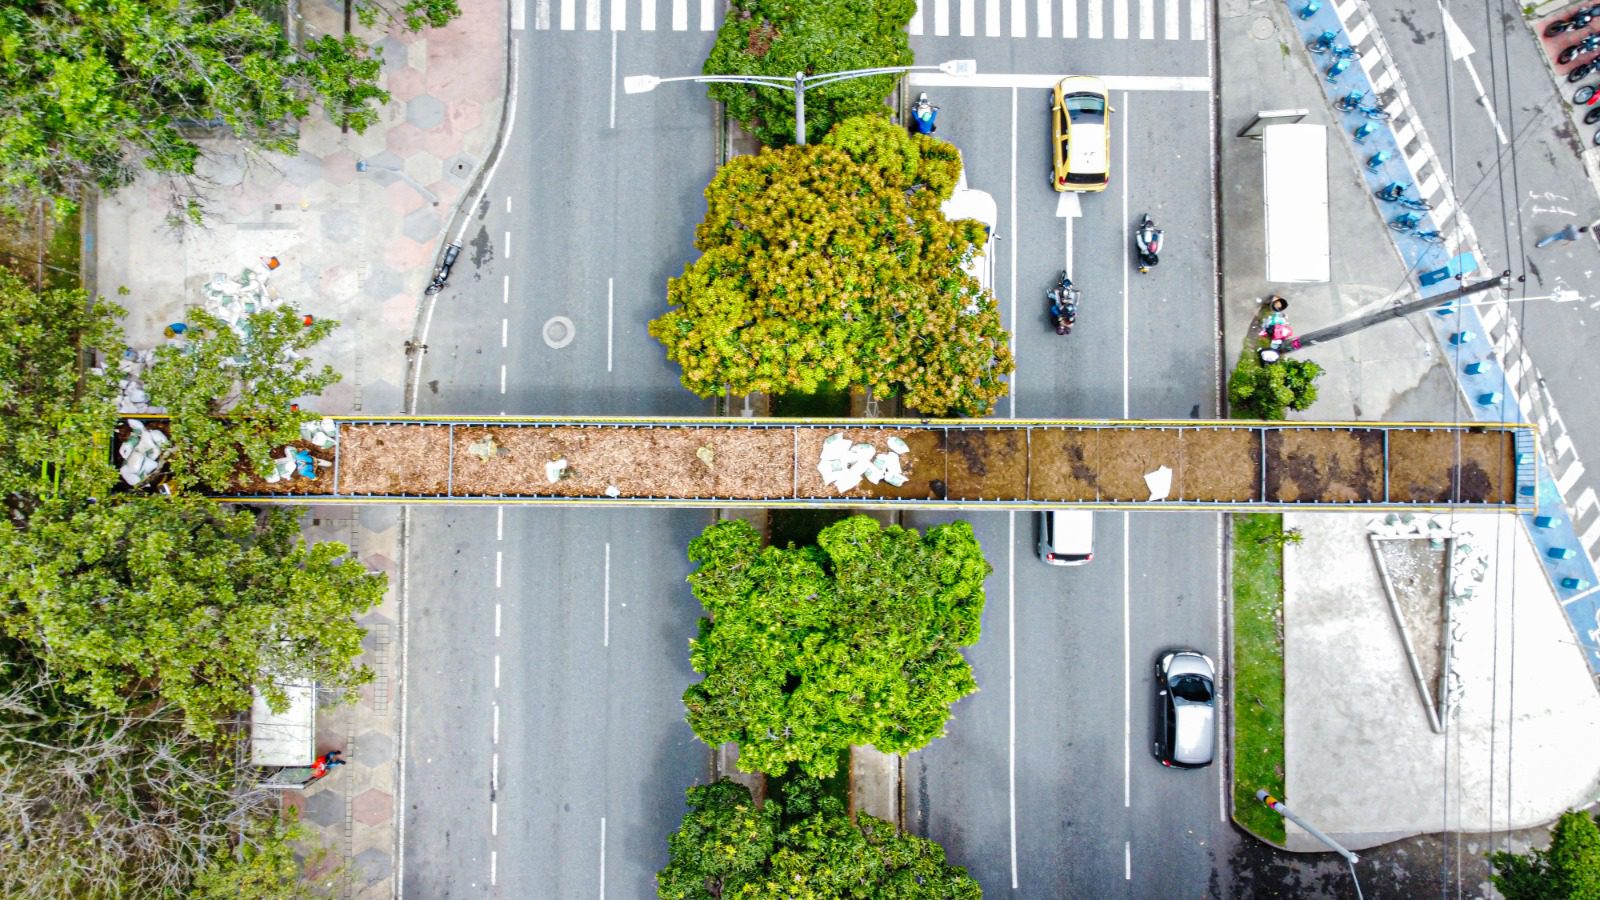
(325, 762)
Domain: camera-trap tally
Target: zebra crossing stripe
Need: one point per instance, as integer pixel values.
(1019, 18)
(1044, 18)
(680, 15)
(591, 15)
(1197, 20)
(647, 15)
(1147, 20)
(991, 18)
(619, 15)
(1119, 20)
(1096, 27)
(1170, 21)
(941, 19)
(915, 25)
(708, 15)
(1069, 18)
(969, 18)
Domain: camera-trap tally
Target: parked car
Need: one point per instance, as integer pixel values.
(1066, 536)
(968, 203)
(1186, 728)
(1080, 134)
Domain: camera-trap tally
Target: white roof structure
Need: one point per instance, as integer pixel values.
(287, 738)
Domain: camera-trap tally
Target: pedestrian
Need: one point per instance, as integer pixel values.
(325, 762)
(1566, 235)
(271, 262)
(175, 329)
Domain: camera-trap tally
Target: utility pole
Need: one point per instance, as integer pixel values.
(1282, 809)
(1323, 335)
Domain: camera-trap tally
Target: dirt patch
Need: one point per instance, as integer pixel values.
(1452, 467)
(1417, 572)
(924, 466)
(394, 459)
(1063, 464)
(1127, 455)
(757, 463)
(1320, 465)
(1222, 464)
(988, 464)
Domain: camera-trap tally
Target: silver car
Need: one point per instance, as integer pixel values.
(1186, 730)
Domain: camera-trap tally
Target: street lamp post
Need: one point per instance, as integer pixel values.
(641, 84)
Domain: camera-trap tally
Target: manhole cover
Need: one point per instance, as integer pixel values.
(558, 332)
(1262, 28)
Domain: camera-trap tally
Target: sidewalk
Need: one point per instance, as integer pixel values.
(357, 247)
(1359, 762)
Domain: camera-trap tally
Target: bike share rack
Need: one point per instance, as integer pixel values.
(1461, 329)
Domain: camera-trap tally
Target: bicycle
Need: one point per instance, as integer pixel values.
(1351, 102)
(1323, 42)
(1405, 222)
(1429, 237)
(1585, 96)
(1395, 192)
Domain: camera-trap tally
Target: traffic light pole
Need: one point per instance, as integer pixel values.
(1323, 335)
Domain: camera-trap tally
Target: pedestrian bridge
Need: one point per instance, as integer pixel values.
(1014, 463)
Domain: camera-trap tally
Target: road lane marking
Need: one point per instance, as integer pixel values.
(1222, 800)
(968, 18)
(569, 17)
(508, 203)
(708, 15)
(1147, 20)
(991, 18)
(505, 331)
(1169, 21)
(941, 19)
(619, 15)
(1096, 26)
(680, 15)
(497, 671)
(1011, 686)
(493, 858)
(508, 244)
(497, 556)
(610, 297)
(499, 523)
(502, 378)
(605, 639)
(1127, 861)
(1019, 18)
(494, 819)
(1127, 259)
(1125, 83)
(496, 727)
(519, 14)
(1045, 18)
(647, 15)
(1069, 18)
(497, 620)
(915, 26)
(505, 289)
(591, 15)
(602, 858)
(1127, 673)
(1197, 20)
(1119, 19)
(1011, 397)
(614, 73)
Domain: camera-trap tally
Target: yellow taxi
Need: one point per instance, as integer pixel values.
(1080, 132)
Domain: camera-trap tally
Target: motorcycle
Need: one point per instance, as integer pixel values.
(923, 114)
(1588, 45)
(1063, 304)
(1147, 241)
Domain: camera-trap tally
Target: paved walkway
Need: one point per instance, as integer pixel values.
(356, 246)
(1361, 759)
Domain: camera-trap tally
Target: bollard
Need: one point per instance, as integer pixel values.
(1462, 337)
(1474, 368)
(1376, 160)
(1492, 398)
(1361, 134)
(1544, 521)
(1575, 584)
(1559, 553)
(1310, 9)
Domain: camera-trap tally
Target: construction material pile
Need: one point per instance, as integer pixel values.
(844, 463)
(233, 300)
(141, 453)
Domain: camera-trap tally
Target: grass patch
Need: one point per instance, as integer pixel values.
(1258, 671)
(825, 403)
(800, 526)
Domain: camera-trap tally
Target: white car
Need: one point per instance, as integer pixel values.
(1066, 536)
(966, 203)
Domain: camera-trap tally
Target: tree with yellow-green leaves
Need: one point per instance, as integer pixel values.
(832, 265)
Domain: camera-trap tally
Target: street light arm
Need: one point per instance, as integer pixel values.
(643, 84)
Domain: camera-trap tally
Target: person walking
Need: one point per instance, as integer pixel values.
(1565, 235)
(325, 763)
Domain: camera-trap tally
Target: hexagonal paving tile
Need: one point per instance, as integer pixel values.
(404, 139)
(372, 865)
(425, 111)
(460, 167)
(465, 115)
(424, 168)
(325, 805)
(372, 806)
(339, 167)
(405, 254)
(421, 224)
(381, 281)
(340, 226)
(302, 170)
(400, 311)
(403, 198)
(394, 52)
(374, 748)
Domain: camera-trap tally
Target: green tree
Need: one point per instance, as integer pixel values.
(229, 395)
(1259, 390)
(184, 599)
(262, 866)
(56, 415)
(1568, 870)
(807, 651)
(782, 37)
(832, 266)
(91, 92)
(729, 849)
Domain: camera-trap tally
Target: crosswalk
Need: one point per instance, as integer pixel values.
(1140, 19)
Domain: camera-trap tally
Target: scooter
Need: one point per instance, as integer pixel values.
(1063, 304)
(923, 115)
(1147, 241)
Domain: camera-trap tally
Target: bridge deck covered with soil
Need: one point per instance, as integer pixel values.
(712, 462)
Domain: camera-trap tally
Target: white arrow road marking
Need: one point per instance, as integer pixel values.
(1067, 209)
(1460, 48)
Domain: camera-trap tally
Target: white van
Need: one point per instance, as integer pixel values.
(1066, 536)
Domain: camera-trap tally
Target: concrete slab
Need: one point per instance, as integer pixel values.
(1363, 763)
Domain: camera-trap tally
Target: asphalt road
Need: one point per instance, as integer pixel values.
(534, 715)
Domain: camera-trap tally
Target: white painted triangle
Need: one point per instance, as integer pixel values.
(1454, 37)
(1068, 205)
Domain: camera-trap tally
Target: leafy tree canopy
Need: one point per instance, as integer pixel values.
(782, 37)
(727, 848)
(832, 265)
(808, 651)
(93, 90)
(55, 416)
(1568, 870)
(230, 394)
(1260, 390)
(180, 597)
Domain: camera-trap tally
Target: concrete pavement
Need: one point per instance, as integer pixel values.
(357, 247)
(1361, 760)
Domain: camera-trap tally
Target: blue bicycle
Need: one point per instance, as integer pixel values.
(1352, 102)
